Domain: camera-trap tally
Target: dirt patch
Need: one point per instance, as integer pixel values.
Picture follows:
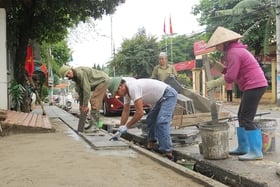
(62, 158)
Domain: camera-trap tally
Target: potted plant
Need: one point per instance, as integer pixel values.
(16, 91)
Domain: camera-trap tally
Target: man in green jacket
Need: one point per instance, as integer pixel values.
(91, 85)
(163, 69)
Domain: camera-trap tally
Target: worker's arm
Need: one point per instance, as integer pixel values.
(136, 117)
(125, 113)
(139, 113)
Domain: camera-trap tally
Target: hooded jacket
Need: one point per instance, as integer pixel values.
(243, 68)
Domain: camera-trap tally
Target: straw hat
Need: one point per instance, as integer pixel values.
(222, 35)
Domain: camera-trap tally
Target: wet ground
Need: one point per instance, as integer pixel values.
(230, 171)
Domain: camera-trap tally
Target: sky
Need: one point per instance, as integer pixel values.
(94, 44)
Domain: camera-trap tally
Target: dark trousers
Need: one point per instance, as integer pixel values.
(248, 107)
(229, 95)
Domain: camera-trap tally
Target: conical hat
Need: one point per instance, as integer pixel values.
(222, 35)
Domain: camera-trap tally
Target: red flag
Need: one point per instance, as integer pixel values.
(170, 26)
(29, 61)
(164, 27)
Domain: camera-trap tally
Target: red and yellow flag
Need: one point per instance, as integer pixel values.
(29, 61)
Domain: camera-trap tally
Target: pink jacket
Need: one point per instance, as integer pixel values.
(242, 68)
(229, 86)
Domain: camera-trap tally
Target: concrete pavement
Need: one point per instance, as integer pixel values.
(229, 171)
(102, 144)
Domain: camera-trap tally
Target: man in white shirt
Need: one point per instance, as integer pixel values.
(155, 92)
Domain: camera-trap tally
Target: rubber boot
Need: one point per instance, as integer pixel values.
(93, 123)
(255, 144)
(243, 145)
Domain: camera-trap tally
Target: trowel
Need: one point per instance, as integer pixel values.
(116, 136)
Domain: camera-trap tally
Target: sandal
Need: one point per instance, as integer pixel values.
(150, 145)
(170, 156)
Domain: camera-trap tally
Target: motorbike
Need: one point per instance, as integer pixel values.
(68, 104)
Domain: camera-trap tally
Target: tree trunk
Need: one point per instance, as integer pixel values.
(19, 63)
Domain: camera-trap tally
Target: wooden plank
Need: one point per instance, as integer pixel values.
(3, 114)
(192, 120)
(33, 121)
(15, 118)
(46, 122)
(11, 116)
(26, 120)
(40, 122)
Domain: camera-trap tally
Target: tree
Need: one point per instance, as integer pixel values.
(255, 19)
(182, 47)
(45, 20)
(137, 56)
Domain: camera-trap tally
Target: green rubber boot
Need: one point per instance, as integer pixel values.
(93, 122)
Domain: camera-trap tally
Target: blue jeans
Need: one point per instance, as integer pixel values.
(159, 120)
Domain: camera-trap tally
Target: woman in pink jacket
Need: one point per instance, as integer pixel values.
(241, 68)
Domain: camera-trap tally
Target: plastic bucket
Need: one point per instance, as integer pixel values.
(100, 124)
(268, 128)
(214, 141)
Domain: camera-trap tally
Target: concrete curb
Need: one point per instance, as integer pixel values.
(177, 168)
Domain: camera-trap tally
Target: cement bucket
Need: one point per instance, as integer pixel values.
(268, 128)
(214, 140)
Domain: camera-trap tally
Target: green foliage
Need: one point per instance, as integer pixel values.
(45, 91)
(185, 80)
(137, 56)
(182, 47)
(46, 21)
(254, 19)
(55, 54)
(16, 91)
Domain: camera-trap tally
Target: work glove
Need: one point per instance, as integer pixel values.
(121, 130)
(217, 66)
(215, 83)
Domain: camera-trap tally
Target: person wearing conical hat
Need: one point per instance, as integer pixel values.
(91, 85)
(241, 67)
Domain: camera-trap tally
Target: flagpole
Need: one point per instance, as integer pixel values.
(164, 30)
(171, 34)
(171, 49)
(165, 43)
